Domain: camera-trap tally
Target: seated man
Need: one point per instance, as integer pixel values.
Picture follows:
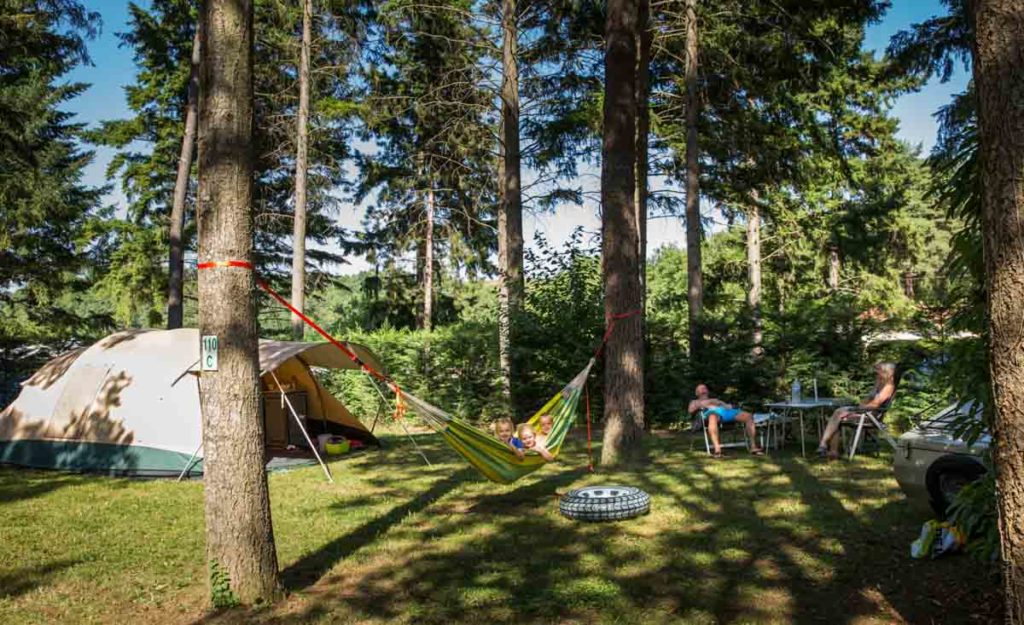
(718, 411)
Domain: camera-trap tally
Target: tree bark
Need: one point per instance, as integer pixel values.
(695, 281)
(510, 211)
(624, 365)
(754, 273)
(301, 166)
(834, 266)
(428, 264)
(239, 534)
(643, 128)
(176, 265)
(999, 77)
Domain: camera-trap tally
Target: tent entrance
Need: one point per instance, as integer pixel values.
(280, 429)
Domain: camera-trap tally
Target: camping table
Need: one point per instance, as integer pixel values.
(800, 407)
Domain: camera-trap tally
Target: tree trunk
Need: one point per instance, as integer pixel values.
(301, 165)
(624, 365)
(510, 211)
(643, 128)
(754, 273)
(695, 282)
(998, 59)
(176, 266)
(833, 268)
(239, 534)
(428, 264)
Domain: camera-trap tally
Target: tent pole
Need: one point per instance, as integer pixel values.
(190, 461)
(413, 439)
(312, 446)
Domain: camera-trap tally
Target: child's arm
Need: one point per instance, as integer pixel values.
(518, 450)
(544, 453)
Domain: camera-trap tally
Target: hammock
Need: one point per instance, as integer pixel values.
(495, 460)
(491, 457)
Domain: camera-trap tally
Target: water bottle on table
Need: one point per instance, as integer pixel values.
(794, 396)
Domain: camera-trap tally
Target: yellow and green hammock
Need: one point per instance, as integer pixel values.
(495, 460)
(492, 458)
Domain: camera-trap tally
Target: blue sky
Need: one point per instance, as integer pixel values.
(113, 68)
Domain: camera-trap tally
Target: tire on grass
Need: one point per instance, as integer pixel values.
(604, 503)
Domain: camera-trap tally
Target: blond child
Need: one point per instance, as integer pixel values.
(544, 424)
(529, 437)
(503, 429)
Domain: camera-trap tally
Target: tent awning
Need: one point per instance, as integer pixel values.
(326, 355)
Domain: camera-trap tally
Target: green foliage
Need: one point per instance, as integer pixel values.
(221, 595)
(974, 512)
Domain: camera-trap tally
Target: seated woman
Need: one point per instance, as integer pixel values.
(885, 388)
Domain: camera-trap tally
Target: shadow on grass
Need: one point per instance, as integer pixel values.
(745, 540)
(17, 484)
(23, 580)
(312, 567)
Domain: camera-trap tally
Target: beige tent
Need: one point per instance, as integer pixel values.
(129, 404)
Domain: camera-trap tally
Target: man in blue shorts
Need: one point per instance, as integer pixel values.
(718, 411)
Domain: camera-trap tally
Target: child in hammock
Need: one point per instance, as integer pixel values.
(503, 429)
(529, 437)
(544, 424)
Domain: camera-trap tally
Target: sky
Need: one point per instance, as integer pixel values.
(113, 68)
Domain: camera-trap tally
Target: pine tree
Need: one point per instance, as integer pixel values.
(239, 533)
(48, 248)
(624, 365)
(998, 57)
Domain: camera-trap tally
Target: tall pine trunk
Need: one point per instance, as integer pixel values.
(834, 266)
(301, 165)
(510, 211)
(428, 263)
(754, 273)
(239, 534)
(998, 59)
(695, 281)
(176, 265)
(624, 364)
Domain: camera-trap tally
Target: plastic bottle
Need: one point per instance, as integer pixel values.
(795, 392)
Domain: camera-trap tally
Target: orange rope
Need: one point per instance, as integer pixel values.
(590, 453)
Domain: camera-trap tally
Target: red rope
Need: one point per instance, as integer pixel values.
(610, 321)
(399, 403)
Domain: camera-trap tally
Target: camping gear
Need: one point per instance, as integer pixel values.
(604, 503)
(937, 538)
(129, 404)
(495, 460)
(336, 446)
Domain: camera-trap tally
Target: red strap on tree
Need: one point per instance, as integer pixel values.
(610, 326)
(399, 403)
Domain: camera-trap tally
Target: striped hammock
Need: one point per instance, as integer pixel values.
(491, 457)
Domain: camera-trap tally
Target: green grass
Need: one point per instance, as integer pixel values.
(740, 540)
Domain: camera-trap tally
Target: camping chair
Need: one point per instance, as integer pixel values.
(732, 426)
(869, 425)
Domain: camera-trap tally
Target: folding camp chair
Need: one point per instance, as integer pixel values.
(869, 425)
(732, 426)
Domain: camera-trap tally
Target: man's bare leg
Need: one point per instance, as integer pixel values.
(751, 428)
(713, 433)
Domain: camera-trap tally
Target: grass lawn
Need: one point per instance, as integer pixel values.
(739, 540)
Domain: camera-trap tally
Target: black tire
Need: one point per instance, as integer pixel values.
(946, 477)
(604, 503)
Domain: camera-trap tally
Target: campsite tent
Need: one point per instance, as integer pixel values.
(129, 404)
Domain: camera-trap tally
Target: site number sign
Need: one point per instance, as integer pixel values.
(208, 353)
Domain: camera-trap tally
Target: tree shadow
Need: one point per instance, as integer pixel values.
(23, 580)
(310, 568)
(748, 540)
